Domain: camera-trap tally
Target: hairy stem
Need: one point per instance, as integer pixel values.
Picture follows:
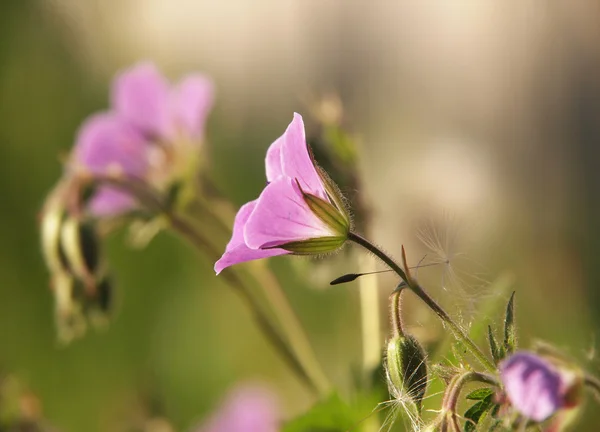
(458, 332)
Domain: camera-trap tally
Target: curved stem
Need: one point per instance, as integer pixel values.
(458, 332)
(450, 400)
(396, 324)
(308, 370)
(280, 306)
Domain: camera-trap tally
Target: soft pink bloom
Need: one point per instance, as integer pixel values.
(534, 386)
(283, 214)
(246, 409)
(143, 97)
(147, 115)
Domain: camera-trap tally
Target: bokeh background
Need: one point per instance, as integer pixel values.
(488, 112)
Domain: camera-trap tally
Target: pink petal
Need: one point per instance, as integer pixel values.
(237, 251)
(532, 385)
(296, 161)
(110, 202)
(282, 216)
(248, 409)
(273, 160)
(107, 143)
(141, 95)
(191, 102)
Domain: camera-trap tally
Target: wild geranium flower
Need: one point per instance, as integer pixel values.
(299, 211)
(246, 409)
(151, 132)
(535, 387)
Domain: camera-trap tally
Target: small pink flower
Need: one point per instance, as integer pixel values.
(148, 116)
(299, 211)
(534, 386)
(246, 409)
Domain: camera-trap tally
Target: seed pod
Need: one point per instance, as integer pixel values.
(407, 368)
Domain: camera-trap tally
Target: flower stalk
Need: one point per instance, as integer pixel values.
(458, 332)
(289, 340)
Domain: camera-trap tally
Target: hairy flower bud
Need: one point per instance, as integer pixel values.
(406, 368)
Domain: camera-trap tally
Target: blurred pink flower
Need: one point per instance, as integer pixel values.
(147, 116)
(246, 409)
(534, 386)
(299, 210)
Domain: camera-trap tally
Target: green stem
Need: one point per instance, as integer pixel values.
(369, 319)
(429, 301)
(396, 324)
(450, 400)
(309, 370)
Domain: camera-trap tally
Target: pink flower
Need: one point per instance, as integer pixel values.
(247, 409)
(299, 211)
(534, 386)
(150, 125)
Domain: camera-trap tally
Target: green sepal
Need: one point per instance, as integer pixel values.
(334, 194)
(313, 246)
(497, 350)
(510, 332)
(328, 213)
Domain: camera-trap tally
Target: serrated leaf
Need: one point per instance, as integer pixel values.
(510, 333)
(480, 393)
(477, 412)
(497, 350)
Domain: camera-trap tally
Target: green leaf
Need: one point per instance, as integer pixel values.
(510, 333)
(480, 393)
(332, 415)
(477, 412)
(498, 352)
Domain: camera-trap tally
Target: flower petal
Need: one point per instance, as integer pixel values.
(141, 95)
(109, 201)
(296, 161)
(237, 251)
(191, 102)
(247, 409)
(107, 143)
(533, 385)
(273, 160)
(282, 216)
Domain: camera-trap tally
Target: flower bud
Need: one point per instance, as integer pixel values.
(99, 306)
(82, 248)
(52, 219)
(68, 310)
(407, 368)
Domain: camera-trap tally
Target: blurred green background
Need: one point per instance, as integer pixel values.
(490, 113)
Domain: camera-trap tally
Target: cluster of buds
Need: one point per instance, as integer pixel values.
(80, 280)
(136, 160)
